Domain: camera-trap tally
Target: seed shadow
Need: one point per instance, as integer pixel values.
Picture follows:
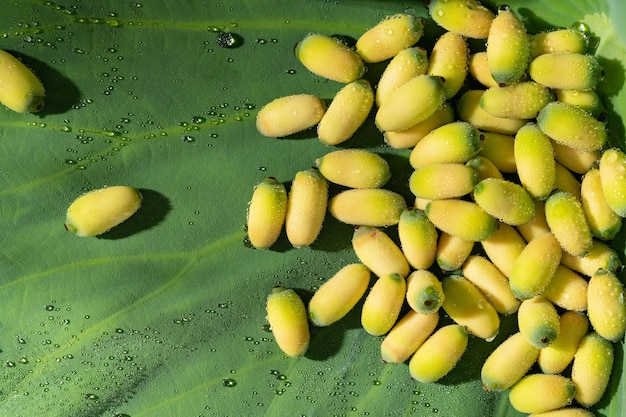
(608, 88)
(327, 341)
(154, 208)
(61, 92)
(614, 381)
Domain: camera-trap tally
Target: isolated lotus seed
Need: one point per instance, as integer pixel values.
(287, 115)
(100, 210)
(20, 89)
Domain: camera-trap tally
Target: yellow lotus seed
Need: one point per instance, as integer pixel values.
(100, 210)
(20, 89)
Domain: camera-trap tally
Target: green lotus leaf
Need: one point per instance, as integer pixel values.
(164, 315)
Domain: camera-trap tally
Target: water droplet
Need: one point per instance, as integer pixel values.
(91, 396)
(229, 40)
(198, 120)
(188, 139)
(229, 382)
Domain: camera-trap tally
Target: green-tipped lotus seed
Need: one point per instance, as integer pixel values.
(508, 47)
(389, 36)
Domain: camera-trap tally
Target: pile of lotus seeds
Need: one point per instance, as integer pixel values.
(517, 195)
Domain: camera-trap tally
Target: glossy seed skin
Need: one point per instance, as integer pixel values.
(505, 200)
(287, 115)
(537, 226)
(354, 168)
(408, 138)
(288, 320)
(468, 222)
(603, 221)
(452, 251)
(555, 358)
(418, 238)
(408, 63)
(533, 269)
(378, 252)
(390, 36)
(407, 335)
(585, 99)
(444, 180)
(592, 368)
(567, 289)
(411, 103)
(337, 296)
(368, 207)
(601, 256)
(572, 126)
(306, 207)
(467, 306)
(479, 69)
(538, 321)
(346, 113)
(606, 305)
(469, 110)
(508, 48)
(497, 374)
(20, 89)
(558, 40)
(566, 181)
(499, 149)
(565, 412)
(537, 393)
(567, 221)
(566, 71)
(534, 159)
(467, 18)
(99, 210)
(484, 168)
(612, 169)
(575, 161)
(424, 292)
(449, 59)
(503, 247)
(439, 354)
(329, 58)
(266, 213)
(383, 303)
(521, 100)
(492, 283)
(455, 142)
